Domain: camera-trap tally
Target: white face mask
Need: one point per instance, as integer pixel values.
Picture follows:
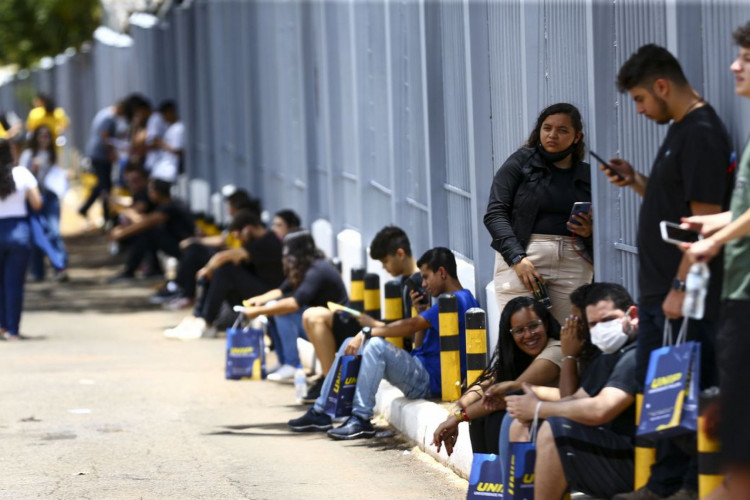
(608, 336)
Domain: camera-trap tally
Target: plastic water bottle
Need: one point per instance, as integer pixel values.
(696, 287)
(300, 384)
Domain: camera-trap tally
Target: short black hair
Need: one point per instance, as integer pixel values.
(388, 241)
(164, 188)
(240, 199)
(609, 291)
(167, 106)
(133, 167)
(244, 218)
(290, 217)
(647, 65)
(741, 36)
(438, 257)
(578, 296)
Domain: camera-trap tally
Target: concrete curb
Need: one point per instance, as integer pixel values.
(417, 419)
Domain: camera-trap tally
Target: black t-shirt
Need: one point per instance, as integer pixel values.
(322, 284)
(693, 164)
(614, 370)
(141, 198)
(556, 201)
(265, 259)
(179, 219)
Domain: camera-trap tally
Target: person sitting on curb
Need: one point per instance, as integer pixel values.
(328, 330)
(162, 229)
(586, 440)
(528, 350)
(232, 274)
(310, 281)
(416, 374)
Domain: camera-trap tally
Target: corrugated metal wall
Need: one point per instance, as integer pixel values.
(377, 112)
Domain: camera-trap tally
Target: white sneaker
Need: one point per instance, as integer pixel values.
(272, 368)
(190, 328)
(209, 332)
(286, 372)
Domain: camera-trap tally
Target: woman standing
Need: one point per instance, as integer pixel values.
(41, 160)
(17, 186)
(537, 240)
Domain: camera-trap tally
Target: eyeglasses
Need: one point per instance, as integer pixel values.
(532, 327)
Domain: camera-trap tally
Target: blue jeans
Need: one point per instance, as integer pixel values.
(676, 463)
(284, 330)
(15, 241)
(54, 247)
(380, 359)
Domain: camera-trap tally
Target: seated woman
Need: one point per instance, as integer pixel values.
(528, 350)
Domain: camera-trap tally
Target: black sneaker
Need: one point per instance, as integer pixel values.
(354, 428)
(167, 293)
(313, 392)
(312, 421)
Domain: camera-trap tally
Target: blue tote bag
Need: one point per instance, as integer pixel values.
(339, 398)
(519, 471)
(486, 478)
(246, 358)
(671, 388)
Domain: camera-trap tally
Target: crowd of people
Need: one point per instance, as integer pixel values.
(571, 351)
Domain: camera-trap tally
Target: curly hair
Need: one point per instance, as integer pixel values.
(508, 361)
(555, 109)
(7, 184)
(299, 253)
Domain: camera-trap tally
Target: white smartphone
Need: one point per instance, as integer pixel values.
(673, 233)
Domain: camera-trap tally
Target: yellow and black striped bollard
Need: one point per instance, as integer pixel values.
(709, 447)
(645, 453)
(372, 295)
(476, 344)
(357, 295)
(394, 308)
(450, 355)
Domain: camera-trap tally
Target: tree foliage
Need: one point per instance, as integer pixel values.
(32, 29)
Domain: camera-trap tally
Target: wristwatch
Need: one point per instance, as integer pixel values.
(678, 284)
(518, 258)
(367, 332)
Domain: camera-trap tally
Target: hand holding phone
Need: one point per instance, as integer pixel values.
(672, 232)
(579, 208)
(608, 166)
(413, 286)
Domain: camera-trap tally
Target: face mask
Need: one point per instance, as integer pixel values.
(608, 336)
(555, 157)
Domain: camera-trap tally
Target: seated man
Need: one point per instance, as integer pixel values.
(327, 330)
(586, 440)
(233, 274)
(417, 374)
(162, 229)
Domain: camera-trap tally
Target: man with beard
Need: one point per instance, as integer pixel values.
(691, 175)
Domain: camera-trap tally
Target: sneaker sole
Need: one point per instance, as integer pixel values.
(358, 435)
(311, 428)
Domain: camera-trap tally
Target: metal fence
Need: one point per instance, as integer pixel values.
(377, 112)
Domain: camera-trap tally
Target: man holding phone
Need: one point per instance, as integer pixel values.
(689, 176)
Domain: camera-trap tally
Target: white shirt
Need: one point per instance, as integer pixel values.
(156, 127)
(167, 165)
(14, 205)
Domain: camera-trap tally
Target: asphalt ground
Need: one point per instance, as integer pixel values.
(98, 404)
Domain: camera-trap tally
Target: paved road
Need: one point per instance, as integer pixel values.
(99, 405)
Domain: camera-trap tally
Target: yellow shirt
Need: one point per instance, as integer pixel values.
(57, 122)
(3, 133)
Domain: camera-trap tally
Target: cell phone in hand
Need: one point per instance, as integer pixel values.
(411, 285)
(675, 234)
(579, 207)
(515, 392)
(612, 170)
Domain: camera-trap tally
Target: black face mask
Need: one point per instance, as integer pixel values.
(555, 157)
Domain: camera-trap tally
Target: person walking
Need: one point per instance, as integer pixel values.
(17, 187)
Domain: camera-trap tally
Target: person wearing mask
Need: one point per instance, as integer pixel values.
(529, 215)
(17, 188)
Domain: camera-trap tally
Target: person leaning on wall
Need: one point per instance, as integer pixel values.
(536, 238)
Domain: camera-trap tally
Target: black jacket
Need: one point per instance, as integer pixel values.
(514, 204)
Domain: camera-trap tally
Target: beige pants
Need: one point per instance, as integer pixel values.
(562, 268)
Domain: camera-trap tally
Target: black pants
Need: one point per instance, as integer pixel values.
(194, 257)
(103, 171)
(484, 433)
(148, 242)
(232, 283)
